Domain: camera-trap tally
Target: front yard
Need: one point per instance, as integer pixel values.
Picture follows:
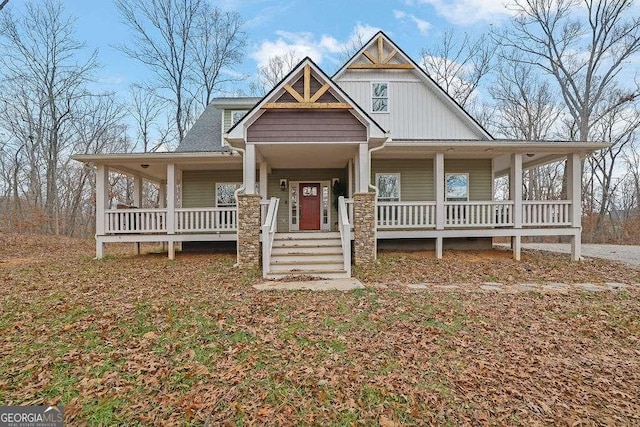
(144, 340)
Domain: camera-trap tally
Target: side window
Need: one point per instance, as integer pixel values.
(224, 193)
(388, 187)
(457, 187)
(380, 97)
(237, 115)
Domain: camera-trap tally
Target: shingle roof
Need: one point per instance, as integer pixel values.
(205, 134)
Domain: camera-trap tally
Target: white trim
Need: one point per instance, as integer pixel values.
(399, 175)
(388, 110)
(446, 176)
(216, 184)
(296, 226)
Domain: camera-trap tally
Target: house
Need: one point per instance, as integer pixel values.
(323, 169)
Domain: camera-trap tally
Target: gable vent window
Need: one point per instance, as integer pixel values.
(380, 97)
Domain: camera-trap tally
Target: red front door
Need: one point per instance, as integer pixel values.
(309, 206)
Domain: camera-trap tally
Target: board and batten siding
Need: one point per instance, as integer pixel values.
(416, 177)
(199, 187)
(306, 126)
(302, 175)
(415, 110)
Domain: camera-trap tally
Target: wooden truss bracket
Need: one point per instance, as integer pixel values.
(380, 62)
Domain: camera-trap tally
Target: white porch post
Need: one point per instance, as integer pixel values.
(363, 169)
(350, 178)
(250, 169)
(171, 207)
(162, 194)
(137, 201)
(438, 179)
(102, 202)
(574, 193)
(515, 194)
(263, 179)
(356, 178)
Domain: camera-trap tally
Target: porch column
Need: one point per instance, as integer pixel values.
(438, 179)
(250, 169)
(356, 173)
(364, 228)
(171, 207)
(574, 193)
(162, 194)
(515, 194)
(102, 203)
(137, 201)
(263, 179)
(350, 178)
(248, 230)
(363, 170)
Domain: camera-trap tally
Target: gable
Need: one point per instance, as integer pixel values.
(418, 107)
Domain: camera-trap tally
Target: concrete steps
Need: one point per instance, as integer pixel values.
(307, 254)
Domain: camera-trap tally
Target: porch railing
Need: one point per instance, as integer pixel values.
(545, 213)
(406, 215)
(123, 221)
(269, 228)
(345, 233)
(206, 219)
(479, 214)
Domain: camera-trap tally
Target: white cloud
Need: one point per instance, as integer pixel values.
(466, 12)
(307, 44)
(423, 26)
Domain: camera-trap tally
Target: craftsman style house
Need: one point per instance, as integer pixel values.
(322, 165)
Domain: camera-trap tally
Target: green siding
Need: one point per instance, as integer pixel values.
(480, 179)
(199, 187)
(312, 175)
(416, 177)
(226, 120)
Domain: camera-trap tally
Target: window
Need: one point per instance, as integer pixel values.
(225, 193)
(380, 97)
(388, 187)
(457, 187)
(237, 115)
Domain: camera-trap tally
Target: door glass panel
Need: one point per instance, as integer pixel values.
(294, 204)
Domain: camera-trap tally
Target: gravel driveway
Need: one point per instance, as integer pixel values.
(622, 253)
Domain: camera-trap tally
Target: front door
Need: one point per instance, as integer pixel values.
(309, 206)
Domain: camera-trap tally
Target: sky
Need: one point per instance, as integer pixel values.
(319, 29)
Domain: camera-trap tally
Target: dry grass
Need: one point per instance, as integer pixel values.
(147, 341)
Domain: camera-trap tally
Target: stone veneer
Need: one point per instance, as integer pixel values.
(249, 230)
(364, 227)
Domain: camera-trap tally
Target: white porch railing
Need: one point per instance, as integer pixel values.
(206, 219)
(479, 214)
(269, 228)
(345, 234)
(406, 214)
(545, 213)
(349, 205)
(123, 221)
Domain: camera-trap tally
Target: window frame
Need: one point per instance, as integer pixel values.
(390, 199)
(244, 113)
(227, 205)
(456, 199)
(373, 98)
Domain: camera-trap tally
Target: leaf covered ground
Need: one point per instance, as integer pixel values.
(144, 340)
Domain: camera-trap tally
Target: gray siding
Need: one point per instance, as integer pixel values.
(306, 126)
(416, 176)
(312, 175)
(199, 187)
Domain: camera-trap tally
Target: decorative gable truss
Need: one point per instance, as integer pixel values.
(379, 56)
(320, 99)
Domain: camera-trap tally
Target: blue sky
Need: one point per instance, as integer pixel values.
(318, 29)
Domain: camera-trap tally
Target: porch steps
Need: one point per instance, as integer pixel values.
(307, 254)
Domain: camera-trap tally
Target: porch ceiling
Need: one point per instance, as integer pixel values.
(313, 156)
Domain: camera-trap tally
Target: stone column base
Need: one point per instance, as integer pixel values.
(249, 230)
(364, 228)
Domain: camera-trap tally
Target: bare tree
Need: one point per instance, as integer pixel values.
(458, 65)
(145, 108)
(274, 71)
(44, 81)
(186, 45)
(354, 44)
(584, 48)
(3, 4)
